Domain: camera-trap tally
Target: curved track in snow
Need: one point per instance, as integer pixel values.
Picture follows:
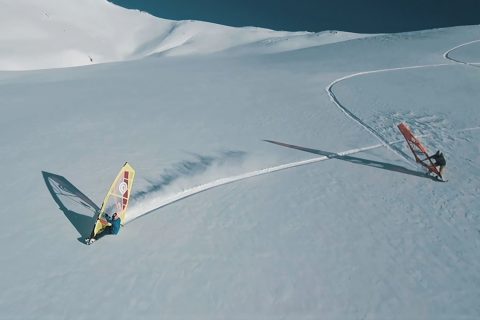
(159, 202)
(352, 116)
(367, 127)
(446, 55)
(135, 213)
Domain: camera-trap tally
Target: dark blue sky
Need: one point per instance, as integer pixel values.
(368, 16)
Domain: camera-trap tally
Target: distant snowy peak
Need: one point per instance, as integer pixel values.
(197, 37)
(37, 34)
(43, 34)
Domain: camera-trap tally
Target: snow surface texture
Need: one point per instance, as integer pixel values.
(271, 183)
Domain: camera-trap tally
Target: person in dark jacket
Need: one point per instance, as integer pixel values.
(115, 223)
(439, 161)
(112, 225)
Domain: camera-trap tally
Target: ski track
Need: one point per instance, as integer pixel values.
(160, 202)
(469, 129)
(446, 55)
(371, 130)
(352, 116)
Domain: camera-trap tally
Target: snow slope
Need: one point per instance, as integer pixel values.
(63, 33)
(270, 184)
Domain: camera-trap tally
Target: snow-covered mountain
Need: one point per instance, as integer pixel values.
(272, 182)
(63, 33)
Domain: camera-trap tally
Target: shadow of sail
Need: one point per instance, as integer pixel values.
(355, 160)
(76, 206)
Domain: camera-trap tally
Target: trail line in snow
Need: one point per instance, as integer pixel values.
(355, 118)
(469, 129)
(156, 203)
(446, 55)
(367, 127)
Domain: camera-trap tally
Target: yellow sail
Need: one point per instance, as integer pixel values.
(117, 198)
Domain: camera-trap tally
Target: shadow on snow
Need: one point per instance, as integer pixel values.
(72, 202)
(356, 160)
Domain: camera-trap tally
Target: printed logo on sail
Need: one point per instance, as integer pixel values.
(123, 187)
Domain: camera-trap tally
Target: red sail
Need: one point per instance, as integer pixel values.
(418, 149)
